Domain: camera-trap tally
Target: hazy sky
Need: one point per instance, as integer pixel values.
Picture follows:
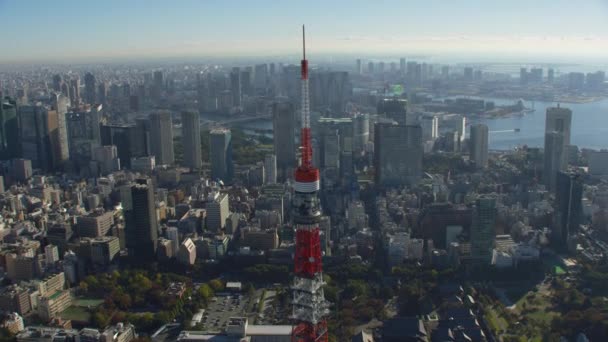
(78, 29)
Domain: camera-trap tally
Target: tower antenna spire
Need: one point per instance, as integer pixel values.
(309, 305)
(303, 42)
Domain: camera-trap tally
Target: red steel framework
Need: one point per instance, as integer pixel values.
(309, 305)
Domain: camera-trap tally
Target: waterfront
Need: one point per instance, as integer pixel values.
(589, 125)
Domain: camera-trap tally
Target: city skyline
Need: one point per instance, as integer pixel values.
(70, 31)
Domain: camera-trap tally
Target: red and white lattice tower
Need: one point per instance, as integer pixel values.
(309, 305)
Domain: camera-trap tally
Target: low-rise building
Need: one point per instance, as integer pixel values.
(15, 298)
(50, 306)
(120, 332)
(187, 252)
(14, 323)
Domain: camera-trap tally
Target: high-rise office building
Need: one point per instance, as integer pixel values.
(130, 141)
(9, 129)
(59, 140)
(102, 92)
(569, 211)
(555, 158)
(331, 90)
(370, 67)
(217, 211)
(395, 109)
(65, 90)
(535, 75)
(57, 82)
(142, 225)
(360, 133)
(358, 67)
(576, 80)
(482, 229)
(559, 119)
(550, 75)
(402, 66)
(105, 160)
(90, 88)
(468, 74)
(158, 79)
(22, 169)
(398, 154)
(246, 83)
(523, 76)
(479, 145)
(84, 134)
(235, 86)
(206, 102)
(445, 72)
(270, 169)
(261, 76)
(430, 127)
(557, 131)
(284, 128)
(220, 153)
(37, 124)
(75, 90)
(380, 67)
(191, 136)
(161, 137)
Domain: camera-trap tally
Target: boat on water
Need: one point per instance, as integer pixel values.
(516, 130)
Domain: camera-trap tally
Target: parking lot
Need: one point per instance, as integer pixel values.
(223, 307)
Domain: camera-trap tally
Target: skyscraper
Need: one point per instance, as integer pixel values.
(217, 211)
(430, 128)
(557, 131)
(358, 67)
(555, 156)
(130, 141)
(220, 146)
(9, 129)
(569, 211)
(235, 86)
(360, 133)
(332, 90)
(550, 75)
(89, 88)
(261, 77)
(270, 169)
(59, 139)
(284, 128)
(246, 83)
(84, 134)
(398, 154)
(161, 137)
(57, 82)
(402, 64)
(482, 229)
(158, 80)
(559, 119)
(40, 137)
(479, 145)
(75, 90)
(468, 74)
(191, 137)
(395, 109)
(142, 226)
(102, 92)
(33, 135)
